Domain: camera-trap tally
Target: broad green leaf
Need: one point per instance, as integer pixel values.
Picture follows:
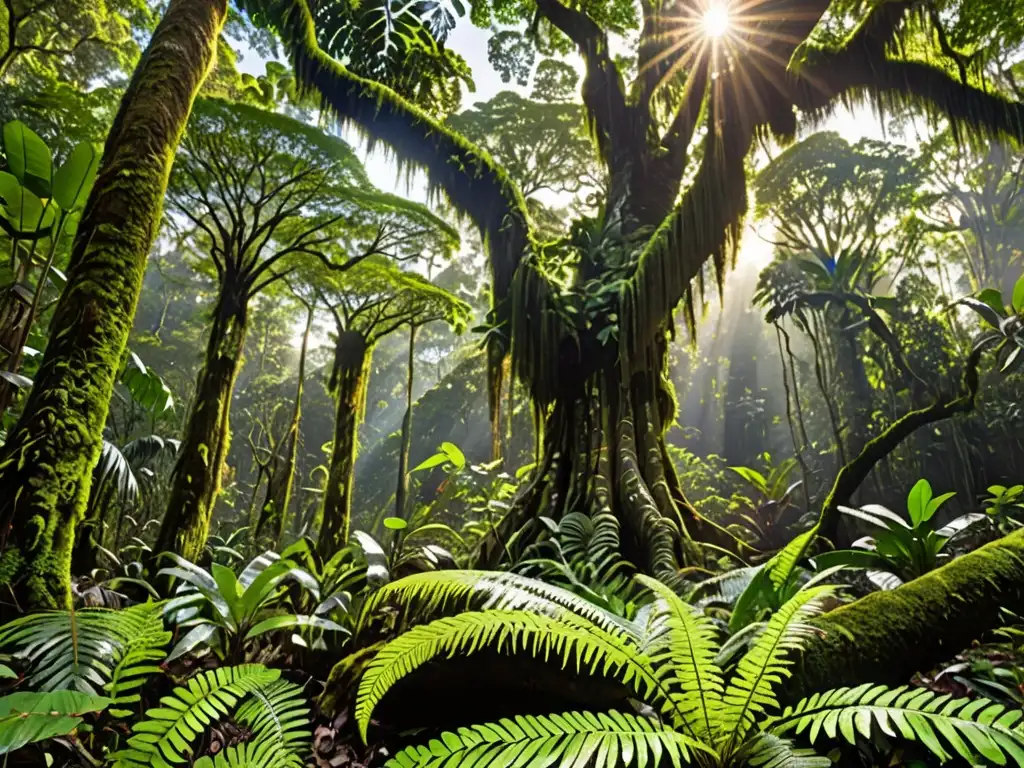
(29, 158)
(27, 717)
(917, 501)
(753, 477)
(434, 461)
(1018, 296)
(73, 181)
(395, 523)
(454, 453)
(937, 502)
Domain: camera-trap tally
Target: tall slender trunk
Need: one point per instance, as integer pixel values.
(274, 514)
(351, 371)
(402, 491)
(204, 448)
(46, 464)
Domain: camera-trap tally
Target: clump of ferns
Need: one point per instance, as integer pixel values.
(690, 710)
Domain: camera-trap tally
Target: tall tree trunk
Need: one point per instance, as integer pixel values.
(204, 448)
(46, 464)
(402, 491)
(274, 514)
(348, 383)
(605, 454)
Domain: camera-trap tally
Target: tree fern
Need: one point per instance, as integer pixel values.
(572, 640)
(601, 739)
(751, 691)
(166, 733)
(977, 729)
(90, 650)
(433, 592)
(685, 641)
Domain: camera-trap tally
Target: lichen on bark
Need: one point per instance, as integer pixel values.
(46, 464)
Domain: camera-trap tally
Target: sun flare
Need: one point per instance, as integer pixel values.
(716, 19)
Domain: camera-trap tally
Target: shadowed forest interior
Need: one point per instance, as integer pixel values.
(511, 383)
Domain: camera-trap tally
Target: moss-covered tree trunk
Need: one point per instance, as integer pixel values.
(46, 464)
(272, 520)
(197, 475)
(402, 489)
(605, 454)
(348, 384)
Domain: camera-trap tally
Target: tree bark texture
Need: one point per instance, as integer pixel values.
(46, 464)
(204, 448)
(402, 491)
(351, 372)
(273, 516)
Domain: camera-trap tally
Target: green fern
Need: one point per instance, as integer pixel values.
(278, 717)
(668, 659)
(433, 592)
(166, 733)
(971, 728)
(683, 640)
(571, 738)
(573, 640)
(751, 691)
(91, 650)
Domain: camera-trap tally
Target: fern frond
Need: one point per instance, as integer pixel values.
(978, 729)
(435, 591)
(781, 567)
(166, 733)
(249, 755)
(684, 642)
(278, 715)
(86, 651)
(770, 751)
(138, 658)
(750, 692)
(570, 639)
(600, 739)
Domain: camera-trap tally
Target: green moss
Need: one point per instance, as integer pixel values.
(204, 449)
(353, 355)
(46, 464)
(888, 636)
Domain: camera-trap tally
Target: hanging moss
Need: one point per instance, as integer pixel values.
(46, 464)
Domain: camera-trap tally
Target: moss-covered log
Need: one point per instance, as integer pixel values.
(888, 636)
(46, 464)
(348, 384)
(204, 448)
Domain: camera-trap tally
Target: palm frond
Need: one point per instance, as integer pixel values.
(167, 732)
(975, 730)
(751, 690)
(434, 592)
(571, 640)
(684, 640)
(600, 739)
(89, 650)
